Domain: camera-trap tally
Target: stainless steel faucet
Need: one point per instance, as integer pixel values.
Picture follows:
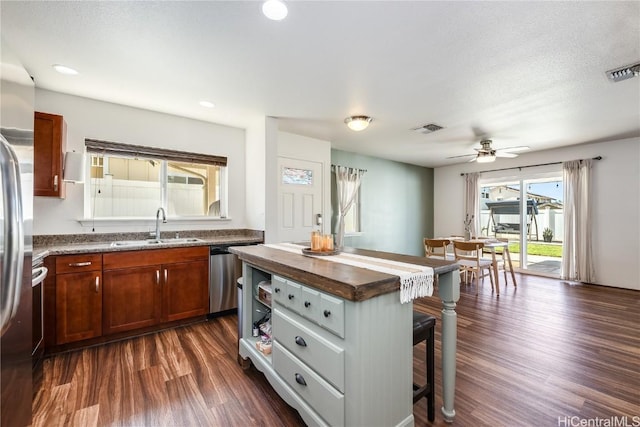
(164, 220)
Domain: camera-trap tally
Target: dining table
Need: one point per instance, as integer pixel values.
(493, 244)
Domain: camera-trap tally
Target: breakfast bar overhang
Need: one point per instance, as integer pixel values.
(361, 371)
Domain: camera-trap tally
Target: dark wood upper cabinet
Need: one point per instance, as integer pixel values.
(49, 143)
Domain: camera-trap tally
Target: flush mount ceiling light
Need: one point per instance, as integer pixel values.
(275, 10)
(207, 104)
(63, 69)
(358, 123)
(624, 73)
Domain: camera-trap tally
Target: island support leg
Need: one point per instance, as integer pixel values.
(449, 291)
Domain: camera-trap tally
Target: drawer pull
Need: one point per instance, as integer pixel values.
(327, 313)
(291, 296)
(300, 379)
(80, 264)
(277, 290)
(307, 304)
(300, 341)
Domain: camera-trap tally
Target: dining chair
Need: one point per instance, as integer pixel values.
(469, 257)
(504, 262)
(437, 248)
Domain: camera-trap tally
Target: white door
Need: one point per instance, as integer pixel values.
(300, 200)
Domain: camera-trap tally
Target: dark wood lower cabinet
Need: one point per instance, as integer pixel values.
(146, 288)
(101, 297)
(184, 293)
(132, 299)
(78, 306)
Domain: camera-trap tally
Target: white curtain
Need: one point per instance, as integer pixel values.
(471, 201)
(347, 185)
(577, 262)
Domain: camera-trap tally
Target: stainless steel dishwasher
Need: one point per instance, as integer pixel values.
(224, 271)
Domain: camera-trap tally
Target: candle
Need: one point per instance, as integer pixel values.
(327, 242)
(316, 241)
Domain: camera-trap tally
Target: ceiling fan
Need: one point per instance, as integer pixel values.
(486, 154)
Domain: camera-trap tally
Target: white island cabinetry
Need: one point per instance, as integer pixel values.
(337, 362)
(342, 343)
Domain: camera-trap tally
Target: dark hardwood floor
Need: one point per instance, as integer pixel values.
(540, 354)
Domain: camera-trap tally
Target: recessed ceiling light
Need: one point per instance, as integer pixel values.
(62, 69)
(207, 104)
(358, 123)
(275, 10)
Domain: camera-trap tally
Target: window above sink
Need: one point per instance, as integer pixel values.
(129, 182)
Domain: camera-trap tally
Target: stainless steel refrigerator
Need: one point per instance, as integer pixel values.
(16, 218)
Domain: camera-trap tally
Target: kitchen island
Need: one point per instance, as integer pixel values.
(341, 351)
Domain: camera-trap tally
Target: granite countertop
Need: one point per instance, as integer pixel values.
(68, 244)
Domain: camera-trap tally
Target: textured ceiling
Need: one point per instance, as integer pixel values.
(520, 73)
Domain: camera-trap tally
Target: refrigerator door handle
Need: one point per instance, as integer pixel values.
(13, 251)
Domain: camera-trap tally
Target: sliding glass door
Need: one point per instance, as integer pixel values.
(536, 225)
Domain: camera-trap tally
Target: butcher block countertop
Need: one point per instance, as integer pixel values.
(344, 281)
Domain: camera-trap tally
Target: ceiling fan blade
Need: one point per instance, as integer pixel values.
(514, 149)
(473, 160)
(463, 155)
(505, 154)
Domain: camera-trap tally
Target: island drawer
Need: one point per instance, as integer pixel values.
(319, 307)
(318, 353)
(319, 394)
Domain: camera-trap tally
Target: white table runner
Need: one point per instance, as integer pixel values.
(415, 280)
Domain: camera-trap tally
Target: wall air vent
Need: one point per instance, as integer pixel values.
(624, 73)
(431, 127)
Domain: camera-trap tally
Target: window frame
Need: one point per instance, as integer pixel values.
(106, 149)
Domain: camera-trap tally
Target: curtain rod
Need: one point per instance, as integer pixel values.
(528, 166)
(361, 170)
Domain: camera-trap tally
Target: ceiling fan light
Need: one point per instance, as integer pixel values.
(485, 158)
(358, 123)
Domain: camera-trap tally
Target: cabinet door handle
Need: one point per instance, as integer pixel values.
(291, 296)
(97, 284)
(157, 277)
(166, 276)
(80, 264)
(300, 379)
(307, 304)
(300, 341)
(277, 290)
(55, 183)
(327, 313)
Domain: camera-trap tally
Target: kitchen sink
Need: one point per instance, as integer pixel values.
(181, 240)
(153, 242)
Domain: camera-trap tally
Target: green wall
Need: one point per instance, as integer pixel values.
(396, 202)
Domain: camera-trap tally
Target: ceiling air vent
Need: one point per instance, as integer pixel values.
(624, 73)
(431, 127)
